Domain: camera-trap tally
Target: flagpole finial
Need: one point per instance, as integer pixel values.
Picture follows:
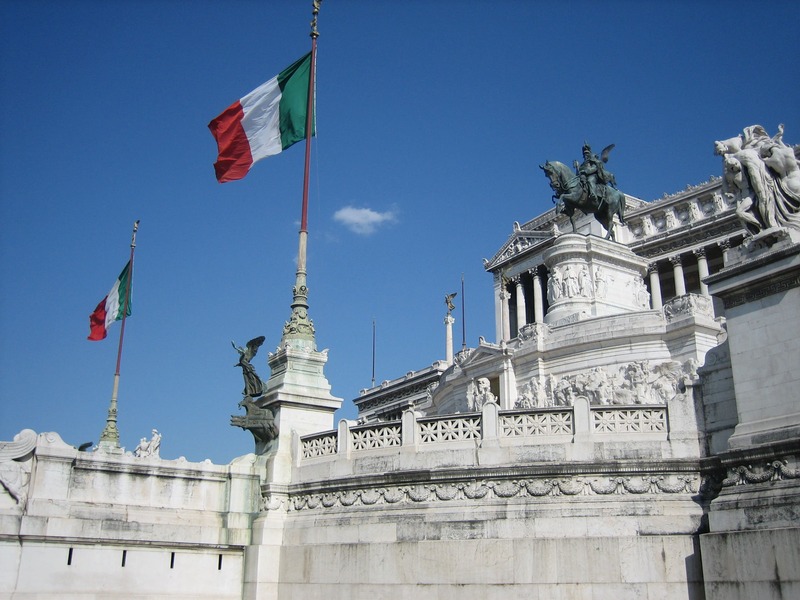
(315, 13)
(133, 235)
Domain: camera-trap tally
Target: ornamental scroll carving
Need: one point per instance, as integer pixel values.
(632, 383)
(774, 470)
(500, 489)
(751, 472)
(688, 305)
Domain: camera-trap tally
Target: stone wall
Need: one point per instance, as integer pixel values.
(545, 503)
(96, 525)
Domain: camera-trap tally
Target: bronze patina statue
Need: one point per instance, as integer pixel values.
(258, 421)
(253, 386)
(591, 189)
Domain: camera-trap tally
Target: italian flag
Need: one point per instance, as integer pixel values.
(263, 123)
(111, 307)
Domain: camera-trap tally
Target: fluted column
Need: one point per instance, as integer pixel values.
(538, 303)
(702, 269)
(505, 315)
(655, 286)
(677, 270)
(521, 309)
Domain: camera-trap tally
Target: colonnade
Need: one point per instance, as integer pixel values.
(681, 273)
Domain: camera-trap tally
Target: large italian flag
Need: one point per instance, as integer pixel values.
(263, 123)
(111, 307)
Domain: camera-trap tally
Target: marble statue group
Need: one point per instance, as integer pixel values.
(762, 174)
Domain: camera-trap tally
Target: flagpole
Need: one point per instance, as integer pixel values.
(300, 328)
(109, 439)
(463, 316)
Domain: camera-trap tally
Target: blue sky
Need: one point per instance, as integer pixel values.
(432, 118)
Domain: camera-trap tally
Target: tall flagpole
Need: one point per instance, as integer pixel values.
(373, 352)
(109, 439)
(463, 316)
(299, 330)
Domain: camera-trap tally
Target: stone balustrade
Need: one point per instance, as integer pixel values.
(536, 426)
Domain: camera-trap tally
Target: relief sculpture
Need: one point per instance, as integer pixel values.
(632, 383)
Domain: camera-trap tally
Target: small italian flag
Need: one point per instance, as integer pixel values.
(111, 307)
(265, 122)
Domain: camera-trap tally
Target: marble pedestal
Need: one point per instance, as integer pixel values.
(593, 277)
(760, 287)
(750, 550)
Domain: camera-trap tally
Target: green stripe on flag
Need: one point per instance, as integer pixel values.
(293, 82)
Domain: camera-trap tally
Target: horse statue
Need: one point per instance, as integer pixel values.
(572, 192)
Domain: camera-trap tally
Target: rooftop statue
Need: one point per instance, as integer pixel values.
(591, 189)
(151, 447)
(448, 300)
(253, 386)
(762, 174)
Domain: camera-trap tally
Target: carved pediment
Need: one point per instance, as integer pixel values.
(481, 354)
(520, 242)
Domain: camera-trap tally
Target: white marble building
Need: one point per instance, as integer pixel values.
(633, 431)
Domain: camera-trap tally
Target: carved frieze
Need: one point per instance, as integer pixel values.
(770, 470)
(541, 488)
(632, 383)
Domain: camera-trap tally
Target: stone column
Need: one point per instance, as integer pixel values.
(448, 350)
(702, 270)
(538, 304)
(508, 385)
(505, 315)
(677, 269)
(498, 309)
(724, 245)
(521, 309)
(655, 286)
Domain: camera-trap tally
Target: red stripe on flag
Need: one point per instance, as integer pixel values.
(97, 322)
(234, 158)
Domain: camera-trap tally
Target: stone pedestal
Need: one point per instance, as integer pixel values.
(300, 397)
(760, 287)
(750, 550)
(592, 277)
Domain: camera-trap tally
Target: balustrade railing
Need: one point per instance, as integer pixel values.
(426, 433)
(322, 444)
(629, 420)
(369, 437)
(449, 429)
(525, 424)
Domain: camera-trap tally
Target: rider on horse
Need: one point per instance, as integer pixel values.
(593, 174)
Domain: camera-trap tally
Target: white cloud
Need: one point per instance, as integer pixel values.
(363, 221)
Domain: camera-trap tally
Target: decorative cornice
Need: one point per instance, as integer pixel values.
(501, 489)
(753, 294)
